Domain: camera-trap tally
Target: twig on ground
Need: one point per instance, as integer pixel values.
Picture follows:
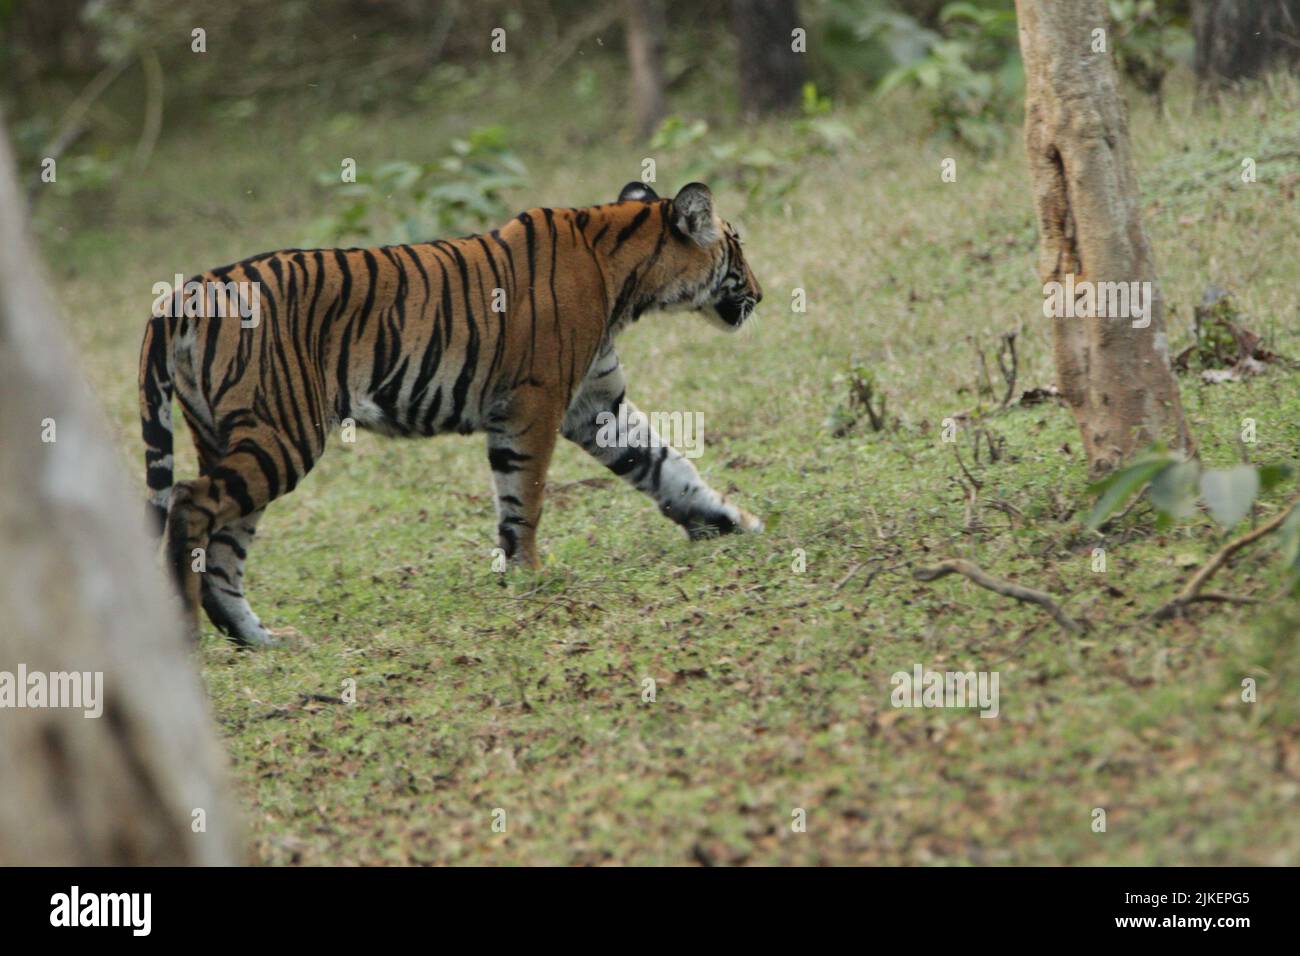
(845, 580)
(993, 442)
(983, 381)
(999, 586)
(1219, 597)
(875, 572)
(969, 477)
(1008, 509)
(1192, 589)
(1008, 367)
(971, 492)
(875, 518)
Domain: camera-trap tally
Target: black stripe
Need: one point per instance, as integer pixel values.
(460, 390)
(630, 229)
(506, 461)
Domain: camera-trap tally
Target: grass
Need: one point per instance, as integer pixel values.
(772, 689)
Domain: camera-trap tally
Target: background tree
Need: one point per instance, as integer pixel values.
(771, 73)
(81, 593)
(644, 22)
(1239, 39)
(1115, 378)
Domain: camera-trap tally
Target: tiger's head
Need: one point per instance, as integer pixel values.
(699, 266)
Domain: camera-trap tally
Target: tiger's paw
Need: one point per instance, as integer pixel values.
(732, 520)
(748, 524)
(251, 640)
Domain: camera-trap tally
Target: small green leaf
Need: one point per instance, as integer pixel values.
(1230, 492)
(1118, 487)
(1270, 476)
(1173, 491)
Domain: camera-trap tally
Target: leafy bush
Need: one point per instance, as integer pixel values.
(762, 175)
(862, 387)
(863, 39)
(402, 201)
(1174, 485)
(971, 78)
(1147, 40)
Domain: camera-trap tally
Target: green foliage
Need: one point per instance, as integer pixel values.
(763, 176)
(862, 387)
(402, 201)
(1173, 484)
(1119, 486)
(758, 173)
(1216, 346)
(971, 79)
(1147, 41)
(92, 172)
(864, 39)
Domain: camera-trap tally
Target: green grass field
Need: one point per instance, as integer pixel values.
(475, 692)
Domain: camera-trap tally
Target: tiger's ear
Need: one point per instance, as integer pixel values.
(639, 191)
(693, 213)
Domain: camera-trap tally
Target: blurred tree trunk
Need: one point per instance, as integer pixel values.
(1115, 378)
(1240, 39)
(436, 21)
(644, 23)
(81, 593)
(47, 38)
(771, 72)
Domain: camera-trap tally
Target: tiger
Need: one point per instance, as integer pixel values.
(510, 333)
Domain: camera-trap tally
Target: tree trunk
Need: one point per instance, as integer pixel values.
(1115, 377)
(771, 72)
(82, 593)
(644, 23)
(1240, 39)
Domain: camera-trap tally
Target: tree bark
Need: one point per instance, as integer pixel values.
(1115, 378)
(1240, 39)
(82, 593)
(771, 72)
(644, 24)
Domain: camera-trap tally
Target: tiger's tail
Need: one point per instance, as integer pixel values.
(156, 367)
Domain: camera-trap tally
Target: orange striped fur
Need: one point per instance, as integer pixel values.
(510, 333)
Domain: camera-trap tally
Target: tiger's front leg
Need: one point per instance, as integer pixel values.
(520, 442)
(643, 459)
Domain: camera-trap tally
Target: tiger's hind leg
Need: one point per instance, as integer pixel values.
(223, 582)
(193, 512)
(209, 523)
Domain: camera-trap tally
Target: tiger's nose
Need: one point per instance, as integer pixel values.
(758, 296)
